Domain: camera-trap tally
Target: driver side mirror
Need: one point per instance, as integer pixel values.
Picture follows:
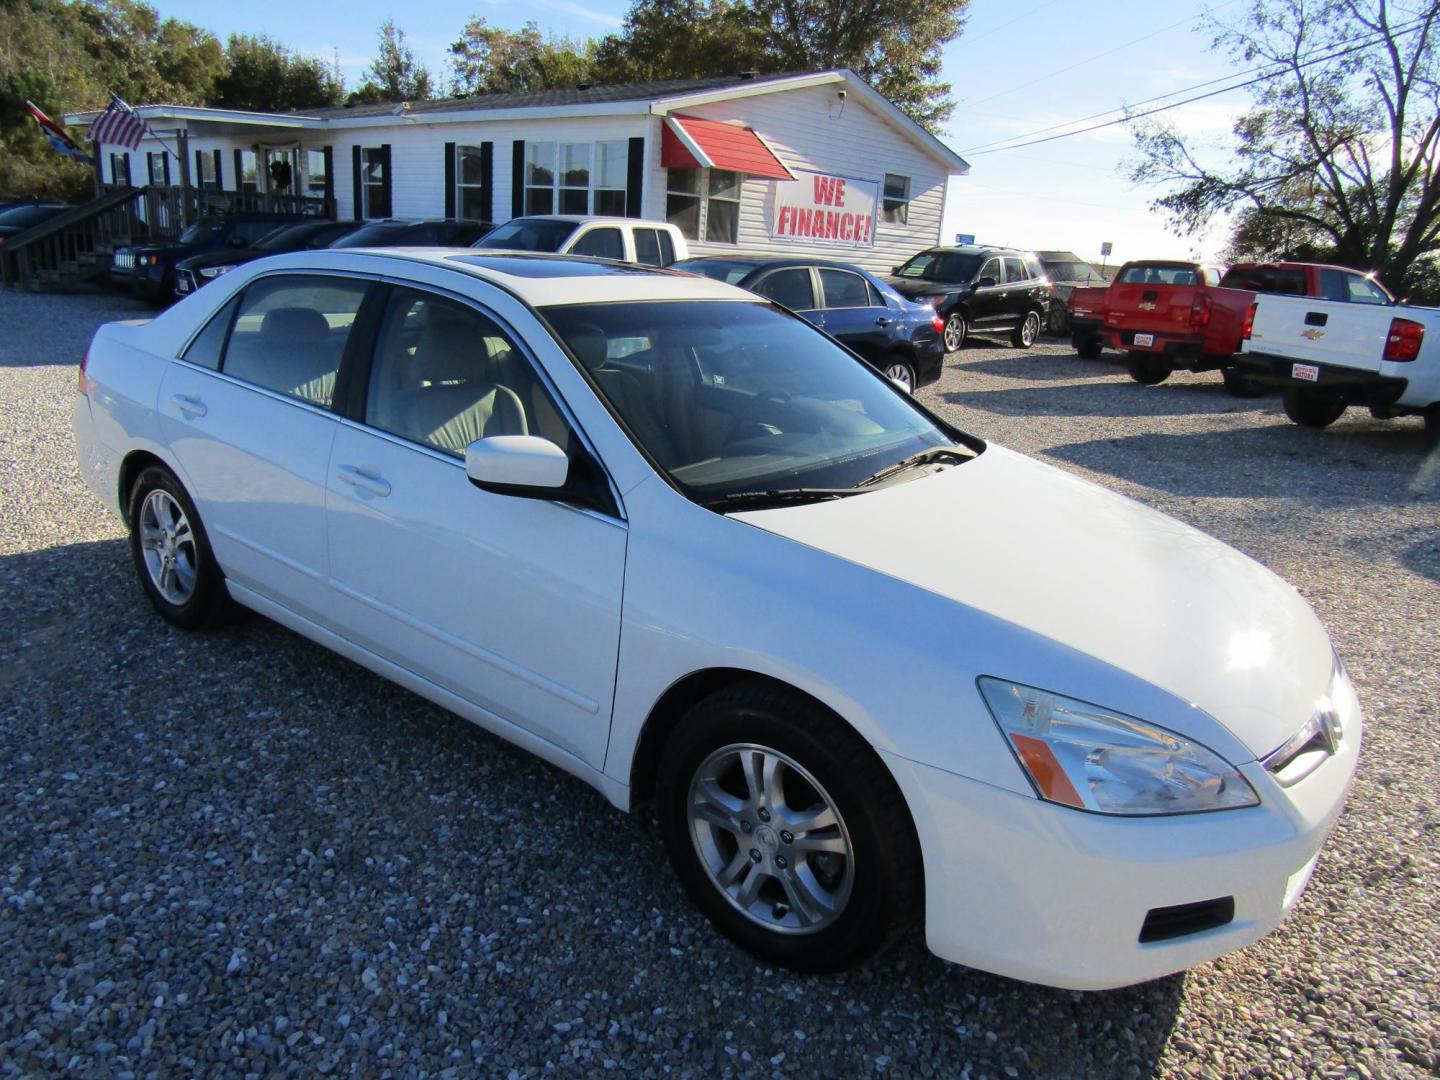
(986, 282)
(895, 270)
(529, 467)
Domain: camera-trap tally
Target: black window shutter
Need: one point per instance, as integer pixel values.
(239, 169)
(517, 178)
(449, 179)
(487, 176)
(355, 173)
(635, 176)
(165, 158)
(219, 174)
(329, 153)
(389, 180)
(199, 178)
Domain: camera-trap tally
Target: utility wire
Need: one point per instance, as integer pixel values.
(1187, 101)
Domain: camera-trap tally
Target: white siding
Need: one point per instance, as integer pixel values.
(809, 129)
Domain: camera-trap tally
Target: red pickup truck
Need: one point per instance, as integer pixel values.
(1170, 316)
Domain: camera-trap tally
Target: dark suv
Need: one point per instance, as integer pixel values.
(149, 269)
(982, 289)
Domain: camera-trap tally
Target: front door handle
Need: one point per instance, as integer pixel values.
(189, 404)
(363, 480)
(883, 320)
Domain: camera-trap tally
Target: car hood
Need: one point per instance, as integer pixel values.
(1096, 572)
(231, 257)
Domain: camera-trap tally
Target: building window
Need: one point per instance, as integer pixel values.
(896, 209)
(120, 169)
(317, 180)
(155, 162)
(575, 178)
(469, 184)
(374, 185)
(249, 178)
(205, 171)
(704, 202)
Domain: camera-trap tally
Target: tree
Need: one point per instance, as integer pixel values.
(893, 44)
(265, 76)
(1338, 155)
(394, 74)
(488, 60)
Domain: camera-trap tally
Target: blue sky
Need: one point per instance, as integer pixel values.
(1020, 65)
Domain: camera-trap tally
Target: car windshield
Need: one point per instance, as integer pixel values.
(729, 271)
(529, 234)
(734, 398)
(957, 266)
(200, 233)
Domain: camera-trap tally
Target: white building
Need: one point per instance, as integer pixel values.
(818, 163)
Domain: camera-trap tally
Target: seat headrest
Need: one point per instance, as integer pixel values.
(589, 344)
(294, 326)
(450, 350)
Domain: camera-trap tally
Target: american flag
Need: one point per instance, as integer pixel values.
(119, 125)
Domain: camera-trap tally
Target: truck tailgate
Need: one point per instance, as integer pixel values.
(1151, 307)
(1322, 331)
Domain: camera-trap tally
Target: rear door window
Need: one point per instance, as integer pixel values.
(205, 348)
(1015, 271)
(601, 244)
(667, 247)
(1268, 279)
(647, 247)
(789, 288)
(845, 290)
(290, 334)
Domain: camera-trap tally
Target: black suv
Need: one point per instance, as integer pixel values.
(197, 270)
(149, 269)
(419, 232)
(982, 289)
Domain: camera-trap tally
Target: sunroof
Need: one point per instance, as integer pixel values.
(547, 266)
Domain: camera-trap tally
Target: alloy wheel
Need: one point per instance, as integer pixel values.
(1030, 330)
(954, 333)
(167, 543)
(900, 373)
(770, 839)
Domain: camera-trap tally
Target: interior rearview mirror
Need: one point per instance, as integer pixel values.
(517, 465)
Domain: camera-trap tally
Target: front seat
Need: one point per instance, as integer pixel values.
(459, 397)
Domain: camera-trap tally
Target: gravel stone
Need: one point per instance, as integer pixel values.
(238, 854)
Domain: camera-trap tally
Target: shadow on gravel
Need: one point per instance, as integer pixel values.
(1423, 558)
(216, 840)
(1037, 366)
(1388, 463)
(1109, 399)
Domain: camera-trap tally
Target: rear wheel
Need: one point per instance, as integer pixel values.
(954, 333)
(1242, 386)
(899, 370)
(1089, 347)
(1432, 424)
(787, 830)
(1024, 335)
(171, 553)
(1148, 368)
(1313, 408)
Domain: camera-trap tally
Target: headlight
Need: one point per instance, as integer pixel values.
(214, 271)
(1080, 755)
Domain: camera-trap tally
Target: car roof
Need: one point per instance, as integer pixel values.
(540, 280)
(758, 261)
(980, 249)
(586, 219)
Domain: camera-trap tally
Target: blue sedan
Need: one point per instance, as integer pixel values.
(899, 336)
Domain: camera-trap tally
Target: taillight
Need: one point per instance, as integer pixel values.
(938, 323)
(1249, 326)
(1404, 340)
(1200, 311)
(83, 378)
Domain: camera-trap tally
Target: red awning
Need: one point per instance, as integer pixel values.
(688, 142)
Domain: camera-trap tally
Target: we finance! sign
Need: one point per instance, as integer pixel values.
(819, 207)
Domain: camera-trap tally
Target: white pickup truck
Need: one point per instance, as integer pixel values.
(1327, 355)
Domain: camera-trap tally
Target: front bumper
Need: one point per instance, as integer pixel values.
(1356, 387)
(1039, 892)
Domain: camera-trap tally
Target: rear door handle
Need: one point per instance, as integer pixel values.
(883, 321)
(362, 480)
(189, 404)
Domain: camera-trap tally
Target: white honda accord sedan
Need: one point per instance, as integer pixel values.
(868, 669)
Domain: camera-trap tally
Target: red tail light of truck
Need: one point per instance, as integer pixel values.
(1200, 311)
(1249, 327)
(1403, 342)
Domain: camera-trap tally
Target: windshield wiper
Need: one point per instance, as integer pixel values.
(753, 500)
(954, 455)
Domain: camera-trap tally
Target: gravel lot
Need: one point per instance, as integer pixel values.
(237, 853)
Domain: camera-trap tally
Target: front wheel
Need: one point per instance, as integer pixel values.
(1313, 408)
(898, 370)
(1024, 335)
(787, 830)
(1148, 368)
(954, 333)
(1242, 386)
(172, 554)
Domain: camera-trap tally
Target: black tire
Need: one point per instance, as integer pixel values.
(1089, 347)
(898, 368)
(1242, 386)
(1057, 321)
(955, 330)
(1148, 369)
(1432, 424)
(1028, 332)
(883, 865)
(208, 602)
(1313, 408)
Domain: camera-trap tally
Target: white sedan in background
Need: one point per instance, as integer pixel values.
(870, 669)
